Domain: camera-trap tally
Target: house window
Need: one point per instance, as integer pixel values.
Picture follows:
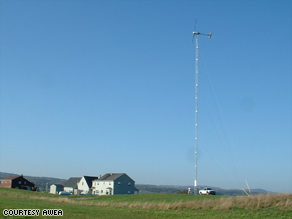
(25, 183)
(129, 192)
(119, 183)
(82, 183)
(129, 184)
(101, 191)
(19, 182)
(109, 183)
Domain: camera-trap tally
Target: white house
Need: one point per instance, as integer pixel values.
(113, 184)
(71, 185)
(85, 184)
(56, 188)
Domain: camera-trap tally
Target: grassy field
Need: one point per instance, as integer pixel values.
(150, 205)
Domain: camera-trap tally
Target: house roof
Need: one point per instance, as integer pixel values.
(89, 180)
(112, 176)
(72, 182)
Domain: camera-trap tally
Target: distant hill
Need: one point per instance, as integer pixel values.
(3, 175)
(41, 182)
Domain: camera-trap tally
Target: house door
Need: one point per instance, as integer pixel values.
(108, 191)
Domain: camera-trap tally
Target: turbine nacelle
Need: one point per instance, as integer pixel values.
(198, 33)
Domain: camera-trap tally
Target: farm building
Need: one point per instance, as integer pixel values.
(114, 184)
(17, 182)
(56, 188)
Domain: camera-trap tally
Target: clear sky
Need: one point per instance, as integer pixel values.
(93, 87)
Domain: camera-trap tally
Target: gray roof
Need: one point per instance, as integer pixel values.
(72, 182)
(112, 176)
(89, 180)
(58, 185)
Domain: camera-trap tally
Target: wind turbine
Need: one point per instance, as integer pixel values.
(196, 34)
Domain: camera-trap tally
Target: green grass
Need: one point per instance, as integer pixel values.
(150, 205)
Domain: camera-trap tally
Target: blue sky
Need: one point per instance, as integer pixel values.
(91, 87)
